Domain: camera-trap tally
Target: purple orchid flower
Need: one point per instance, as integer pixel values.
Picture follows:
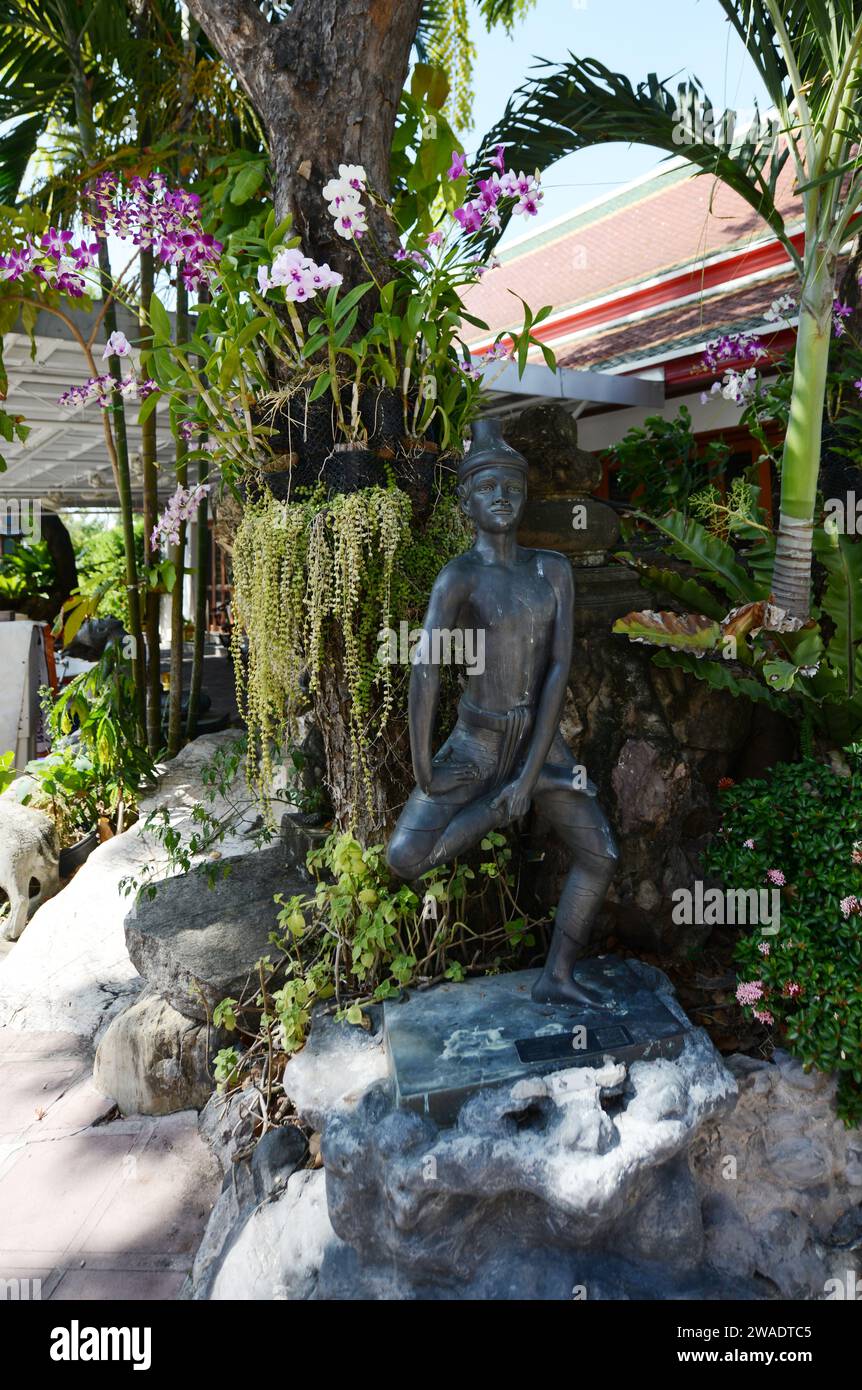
(55, 242)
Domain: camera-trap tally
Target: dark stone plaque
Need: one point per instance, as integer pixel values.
(560, 1046)
(448, 1043)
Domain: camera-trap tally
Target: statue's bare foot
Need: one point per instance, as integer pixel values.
(556, 984)
(551, 988)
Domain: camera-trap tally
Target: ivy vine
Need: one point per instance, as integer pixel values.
(307, 573)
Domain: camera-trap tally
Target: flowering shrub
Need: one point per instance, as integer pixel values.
(801, 830)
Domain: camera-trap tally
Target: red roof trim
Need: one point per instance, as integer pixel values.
(695, 281)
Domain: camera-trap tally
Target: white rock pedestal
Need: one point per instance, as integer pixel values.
(574, 1184)
(683, 1177)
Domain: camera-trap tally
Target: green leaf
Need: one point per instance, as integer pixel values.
(159, 320)
(229, 367)
(688, 591)
(687, 632)
(841, 557)
(247, 183)
(387, 296)
(251, 330)
(719, 675)
(712, 556)
(344, 305)
(581, 103)
(149, 406)
(313, 345)
(321, 385)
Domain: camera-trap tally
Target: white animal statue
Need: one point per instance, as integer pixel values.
(29, 848)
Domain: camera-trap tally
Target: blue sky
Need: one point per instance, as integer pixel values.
(636, 37)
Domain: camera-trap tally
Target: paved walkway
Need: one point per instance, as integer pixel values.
(93, 1205)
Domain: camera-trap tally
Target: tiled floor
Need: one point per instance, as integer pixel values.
(93, 1205)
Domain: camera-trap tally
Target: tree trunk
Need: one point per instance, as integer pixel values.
(800, 465)
(367, 806)
(326, 82)
(59, 542)
(56, 536)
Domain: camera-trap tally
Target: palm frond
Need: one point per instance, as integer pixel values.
(572, 105)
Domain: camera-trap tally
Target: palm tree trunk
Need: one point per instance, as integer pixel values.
(800, 465)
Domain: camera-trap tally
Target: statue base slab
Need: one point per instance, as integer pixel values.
(445, 1045)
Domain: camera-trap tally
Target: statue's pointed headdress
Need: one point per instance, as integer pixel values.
(487, 446)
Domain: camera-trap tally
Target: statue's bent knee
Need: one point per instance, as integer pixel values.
(404, 856)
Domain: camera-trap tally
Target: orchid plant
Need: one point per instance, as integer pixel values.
(411, 343)
(248, 326)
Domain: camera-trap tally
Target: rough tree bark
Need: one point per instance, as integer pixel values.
(326, 82)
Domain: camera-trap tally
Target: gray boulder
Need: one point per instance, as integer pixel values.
(197, 945)
(153, 1060)
(242, 1246)
(572, 1184)
(781, 1181)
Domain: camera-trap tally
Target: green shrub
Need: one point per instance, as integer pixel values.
(801, 828)
(26, 572)
(7, 770)
(362, 937)
(662, 463)
(102, 569)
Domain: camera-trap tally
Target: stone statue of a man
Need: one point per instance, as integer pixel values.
(506, 751)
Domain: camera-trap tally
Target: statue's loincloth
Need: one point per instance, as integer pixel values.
(493, 746)
(512, 728)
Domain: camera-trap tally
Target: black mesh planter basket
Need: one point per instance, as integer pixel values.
(419, 470)
(350, 468)
(347, 468)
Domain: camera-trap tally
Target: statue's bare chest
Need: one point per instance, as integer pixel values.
(516, 601)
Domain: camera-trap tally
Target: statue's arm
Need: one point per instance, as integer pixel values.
(553, 696)
(443, 608)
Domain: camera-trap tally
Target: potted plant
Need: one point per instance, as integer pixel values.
(63, 784)
(94, 773)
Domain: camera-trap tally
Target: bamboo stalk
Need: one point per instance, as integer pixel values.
(178, 553)
(151, 506)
